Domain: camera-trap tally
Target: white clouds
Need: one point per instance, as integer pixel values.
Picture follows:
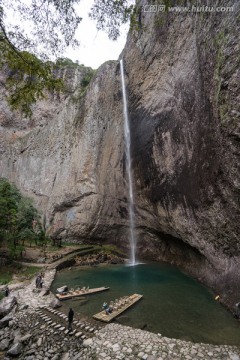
(95, 47)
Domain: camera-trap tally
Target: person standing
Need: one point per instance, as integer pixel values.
(237, 313)
(70, 319)
(38, 280)
(7, 291)
(41, 280)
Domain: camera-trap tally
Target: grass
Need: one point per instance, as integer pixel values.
(29, 271)
(19, 272)
(5, 277)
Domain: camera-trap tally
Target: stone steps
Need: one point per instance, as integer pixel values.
(82, 330)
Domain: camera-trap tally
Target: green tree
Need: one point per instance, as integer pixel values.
(9, 198)
(66, 62)
(28, 223)
(27, 213)
(19, 219)
(111, 14)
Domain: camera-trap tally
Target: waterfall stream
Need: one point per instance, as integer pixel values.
(127, 137)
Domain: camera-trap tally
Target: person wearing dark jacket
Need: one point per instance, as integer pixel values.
(7, 291)
(70, 319)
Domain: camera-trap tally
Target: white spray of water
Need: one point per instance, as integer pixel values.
(127, 137)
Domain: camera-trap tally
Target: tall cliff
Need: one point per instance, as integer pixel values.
(182, 72)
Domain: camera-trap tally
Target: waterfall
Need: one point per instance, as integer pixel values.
(127, 137)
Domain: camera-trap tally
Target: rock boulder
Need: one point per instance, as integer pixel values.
(5, 321)
(6, 305)
(15, 350)
(55, 303)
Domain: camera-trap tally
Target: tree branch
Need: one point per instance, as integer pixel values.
(12, 46)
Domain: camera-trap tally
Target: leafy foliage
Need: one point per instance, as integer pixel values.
(87, 78)
(9, 197)
(61, 62)
(19, 219)
(27, 78)
(110, 14)
(25, 57)
(51, 25)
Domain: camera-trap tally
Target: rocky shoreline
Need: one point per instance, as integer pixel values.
(35, 330)
(100, 258)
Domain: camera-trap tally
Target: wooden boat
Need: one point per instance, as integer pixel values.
(119, 309)
(82, 292)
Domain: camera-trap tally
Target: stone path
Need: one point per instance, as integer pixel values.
(15, 286)
(121, 342)
(42, 337)
(81, 329)
(32, 335)
(33, 297)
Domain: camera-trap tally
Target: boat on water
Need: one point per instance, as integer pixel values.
(117, 307)
(69, 294)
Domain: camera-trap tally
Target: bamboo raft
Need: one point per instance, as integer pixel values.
(119, 309)
(77, 293)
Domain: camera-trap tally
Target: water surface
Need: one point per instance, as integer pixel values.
(173, 304)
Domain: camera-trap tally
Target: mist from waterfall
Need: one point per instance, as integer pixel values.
(127, 137)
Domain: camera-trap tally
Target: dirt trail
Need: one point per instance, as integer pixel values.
(59, 257)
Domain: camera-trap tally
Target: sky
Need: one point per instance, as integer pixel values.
(95, 47)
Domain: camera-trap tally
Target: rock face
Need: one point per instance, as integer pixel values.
(182, 74)
(183, 88)
(70, 157)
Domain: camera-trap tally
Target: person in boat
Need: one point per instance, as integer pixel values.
(107, 308)
(70, 319)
